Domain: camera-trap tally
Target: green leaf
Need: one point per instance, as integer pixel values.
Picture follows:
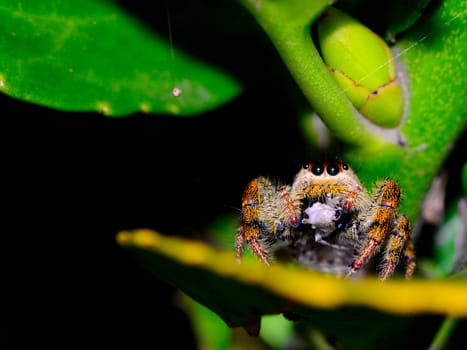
(392, 17)
(401, 15)
(210, 331)
(434, 54)
(64, 55)
(241, 293)
(448, 241)
(276, 331)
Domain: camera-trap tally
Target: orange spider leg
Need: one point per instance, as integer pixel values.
(249, 231)
(397, 242)
(389, 194)
(250, 235)
(409, 255)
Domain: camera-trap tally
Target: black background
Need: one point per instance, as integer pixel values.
(76, 179)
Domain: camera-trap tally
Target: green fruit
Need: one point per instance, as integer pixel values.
(363, 66)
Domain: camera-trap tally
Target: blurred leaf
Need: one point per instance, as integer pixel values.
(221, 228)
(402, 14)
(447, 236)
(276, 331)
(241, 293)
(94, 56)
(392, 17)
(361, 328)
(210, 331)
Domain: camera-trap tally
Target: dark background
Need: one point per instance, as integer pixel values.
(74, 180)
(77, 179)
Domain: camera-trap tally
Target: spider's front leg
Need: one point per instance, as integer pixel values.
(382, 223)
(268, 214)
(250, 230)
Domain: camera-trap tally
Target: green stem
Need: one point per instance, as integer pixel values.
(288, 27)
(444, 333)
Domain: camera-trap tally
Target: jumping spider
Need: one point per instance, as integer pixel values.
(326, 220)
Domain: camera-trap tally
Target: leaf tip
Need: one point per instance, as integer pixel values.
(144, 238)
(123, 237)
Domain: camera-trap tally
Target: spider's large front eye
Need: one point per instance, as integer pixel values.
(317, 169)
(332, 169)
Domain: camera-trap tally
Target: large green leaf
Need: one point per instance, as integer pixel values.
(274, 285)
(242, 293)
(93, 56)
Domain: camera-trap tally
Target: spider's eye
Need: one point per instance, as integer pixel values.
(332, 169)
(345, 166)
(306, 166)
(317, 169)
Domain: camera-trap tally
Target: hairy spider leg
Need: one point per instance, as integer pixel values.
(387, 199)
(249, 230)
(267, 213)
(399, 241)
(409, 255)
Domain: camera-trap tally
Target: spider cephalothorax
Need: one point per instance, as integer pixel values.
(326, 220)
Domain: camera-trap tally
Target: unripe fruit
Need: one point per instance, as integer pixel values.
(363, 66)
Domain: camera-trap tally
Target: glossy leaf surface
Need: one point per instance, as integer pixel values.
(98, 57)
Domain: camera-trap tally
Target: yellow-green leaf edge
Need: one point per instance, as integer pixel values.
(241, 293)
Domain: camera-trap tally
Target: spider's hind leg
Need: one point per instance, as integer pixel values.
(409, 254)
